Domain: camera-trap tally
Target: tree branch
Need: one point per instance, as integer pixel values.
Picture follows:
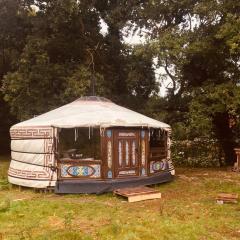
(171, 76)
(190, 21)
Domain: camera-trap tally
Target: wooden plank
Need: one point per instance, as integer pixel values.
(143, 197)
(134, 191)
(227, 198)
(138, 193)
(228, 195)
(224, 198)
(220, 201)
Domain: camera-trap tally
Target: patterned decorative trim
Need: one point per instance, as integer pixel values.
(127, 134)
(120, 154)
(127, 172)
(127, 153)
(27, 174)
(109, 174)
(45, 133)
(48, 148)
(133, 152)
(142, 133)
(157, 166)
(31, 132)
(109, 153)
(42, 180)
(143, 157)
(168, 145)
(80, 171)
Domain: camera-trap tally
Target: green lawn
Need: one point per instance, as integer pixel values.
(187, 210)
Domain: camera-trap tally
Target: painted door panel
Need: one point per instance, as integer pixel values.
(127, 153)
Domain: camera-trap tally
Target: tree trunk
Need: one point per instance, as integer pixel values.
(225, 137)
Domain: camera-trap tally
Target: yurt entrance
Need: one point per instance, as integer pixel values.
(126, 152)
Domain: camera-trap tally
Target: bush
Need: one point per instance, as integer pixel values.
(197, 153)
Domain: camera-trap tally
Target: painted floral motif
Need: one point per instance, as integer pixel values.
(120, 153)
(143, 172)
(127, 153)
(64, 172)
(143, 152)
(80, 171)
(97, 171)
(168, 147)
(158, 166)
(109, 174)
(133, 152)
(109, 154)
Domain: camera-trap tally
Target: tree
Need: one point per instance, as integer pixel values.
(64, 53)
(55, 53)
(62, 37)
(197, 44)
(37, 84)
(14, 27)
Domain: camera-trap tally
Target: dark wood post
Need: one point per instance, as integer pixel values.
(237, 164)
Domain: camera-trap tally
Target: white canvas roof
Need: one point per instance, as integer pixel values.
(92, 112)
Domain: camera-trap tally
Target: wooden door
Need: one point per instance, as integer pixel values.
(127, 152)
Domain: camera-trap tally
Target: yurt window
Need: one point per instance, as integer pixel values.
(158, 140)
(79, 143)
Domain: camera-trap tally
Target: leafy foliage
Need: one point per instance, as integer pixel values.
(52, 52)
(200, 152)
(199, 52)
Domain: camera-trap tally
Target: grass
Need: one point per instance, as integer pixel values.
(187, 210)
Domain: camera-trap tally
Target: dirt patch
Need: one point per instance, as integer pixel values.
(56, 222)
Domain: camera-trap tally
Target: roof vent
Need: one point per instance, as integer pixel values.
(93, 99)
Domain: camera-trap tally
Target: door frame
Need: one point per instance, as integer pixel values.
(116, 137)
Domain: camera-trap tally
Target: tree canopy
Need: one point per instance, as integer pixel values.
(54, 51)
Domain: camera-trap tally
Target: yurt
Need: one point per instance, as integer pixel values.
(91, 145)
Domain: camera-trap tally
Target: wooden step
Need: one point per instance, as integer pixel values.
(136, 194)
